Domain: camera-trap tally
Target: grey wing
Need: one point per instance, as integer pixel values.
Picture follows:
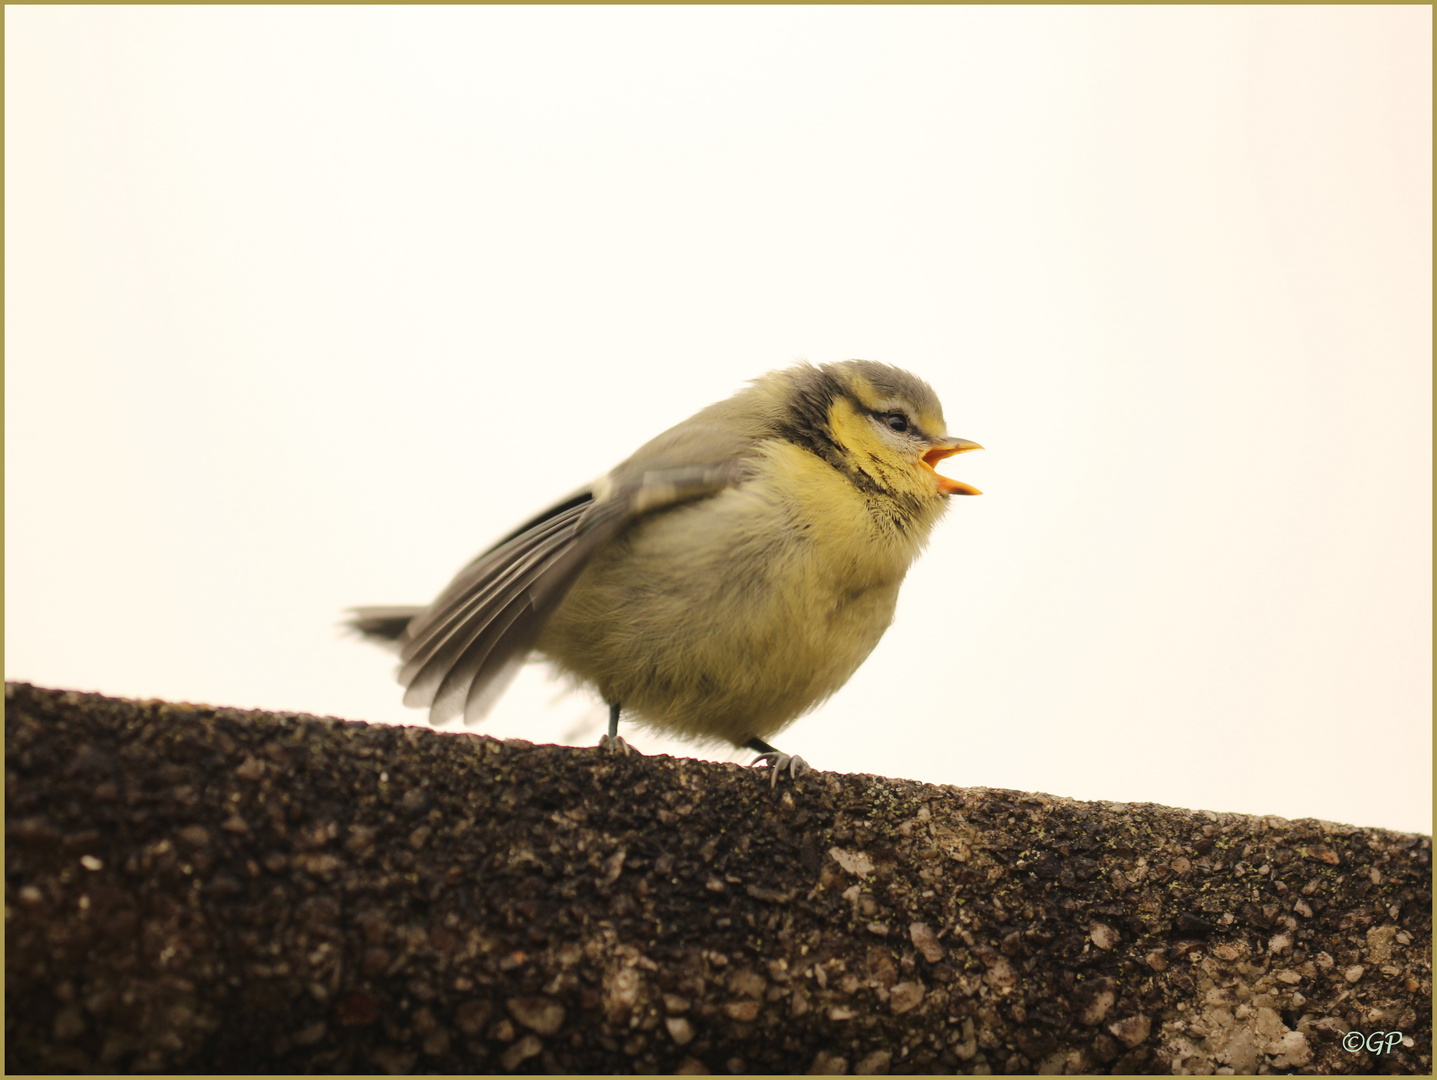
(460, 653)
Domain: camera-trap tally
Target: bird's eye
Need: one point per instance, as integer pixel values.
(896, 420)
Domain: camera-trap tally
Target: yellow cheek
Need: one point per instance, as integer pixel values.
(853, 430)
(865, 448)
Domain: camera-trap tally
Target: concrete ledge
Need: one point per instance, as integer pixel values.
(209, 890)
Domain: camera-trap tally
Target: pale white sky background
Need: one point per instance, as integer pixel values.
(306, 306)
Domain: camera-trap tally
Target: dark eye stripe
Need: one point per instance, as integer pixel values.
(897, 421)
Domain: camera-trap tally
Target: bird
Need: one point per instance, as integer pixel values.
(725, 579)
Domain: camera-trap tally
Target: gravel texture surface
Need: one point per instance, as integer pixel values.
(210, 890)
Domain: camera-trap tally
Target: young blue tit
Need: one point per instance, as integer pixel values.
(725, 579)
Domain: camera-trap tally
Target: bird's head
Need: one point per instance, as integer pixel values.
(889, 424)
(880, 425)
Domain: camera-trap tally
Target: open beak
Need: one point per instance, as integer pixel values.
(947, 448)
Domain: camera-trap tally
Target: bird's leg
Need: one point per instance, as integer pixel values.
(776, 760)
(611, 741)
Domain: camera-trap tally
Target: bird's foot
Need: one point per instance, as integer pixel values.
(778, 761)
(615, 745)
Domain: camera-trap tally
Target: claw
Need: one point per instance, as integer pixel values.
(615, 745)
(778, 761)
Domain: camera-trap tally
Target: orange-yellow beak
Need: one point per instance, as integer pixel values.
(947, 448)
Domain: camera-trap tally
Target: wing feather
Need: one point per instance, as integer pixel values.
(462, 672)
(477, 595)
(486, 570)
(461, 653)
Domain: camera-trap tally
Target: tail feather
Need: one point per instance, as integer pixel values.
(382, 624)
